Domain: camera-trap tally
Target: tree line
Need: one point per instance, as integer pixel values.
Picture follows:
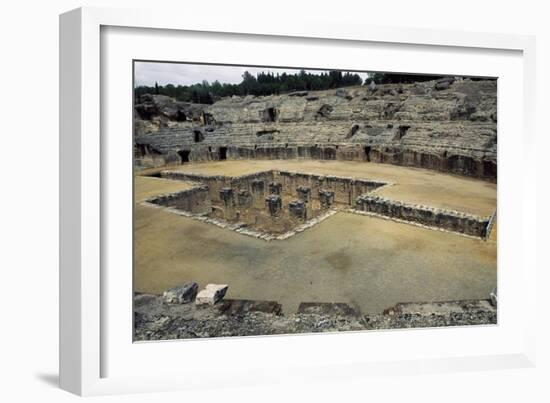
(261, 84)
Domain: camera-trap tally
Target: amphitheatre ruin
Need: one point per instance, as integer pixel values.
(361, 207)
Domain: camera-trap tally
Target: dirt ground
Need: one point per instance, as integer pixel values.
(368, 262)
(146, 187)
(412, 185)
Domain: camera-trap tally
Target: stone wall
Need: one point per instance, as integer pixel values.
(345, 189)
(214, 183)
(195, 200)
(445, 219)
(450, 128)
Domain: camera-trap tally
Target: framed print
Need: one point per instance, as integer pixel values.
(258, 196)
(315, 173)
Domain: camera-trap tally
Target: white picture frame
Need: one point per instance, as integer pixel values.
(88, 311)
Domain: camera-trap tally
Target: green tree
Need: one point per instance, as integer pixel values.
(264, 83)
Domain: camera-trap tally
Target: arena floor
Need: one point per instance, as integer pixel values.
(369, 262)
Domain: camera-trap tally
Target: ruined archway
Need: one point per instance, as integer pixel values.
(184, 155)
(269, 115)
(197, 136)
(223, 153)
(367, 153)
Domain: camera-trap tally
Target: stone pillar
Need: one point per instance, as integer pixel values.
(290, 181)
(354, 191)
(257, 190)
(274, 205)
(326, 198)
(228, 202)
(304, 193)
(275, 188)
(297, 209)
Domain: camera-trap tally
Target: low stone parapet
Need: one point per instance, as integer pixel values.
(449, 220)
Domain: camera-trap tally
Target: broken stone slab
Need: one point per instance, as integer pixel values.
(211, 294)
(243, 306)
(182, 294)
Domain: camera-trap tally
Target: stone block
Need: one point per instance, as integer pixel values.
(182, 294)
(297, 209)
(326, 198)
(273, 204)
(211, 294)
(304, 193)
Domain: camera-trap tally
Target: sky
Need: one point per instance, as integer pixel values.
(147, 73)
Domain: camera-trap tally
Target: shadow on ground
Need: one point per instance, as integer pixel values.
(49, 379)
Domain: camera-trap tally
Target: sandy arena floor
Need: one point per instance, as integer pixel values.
(368, 262)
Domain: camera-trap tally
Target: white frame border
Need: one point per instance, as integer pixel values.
(80, 165)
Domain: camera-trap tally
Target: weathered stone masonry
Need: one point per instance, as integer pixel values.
(155, 319)
(451, 128)
(299, 198)
(195, 200)
(345, 189)
(453, 221)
